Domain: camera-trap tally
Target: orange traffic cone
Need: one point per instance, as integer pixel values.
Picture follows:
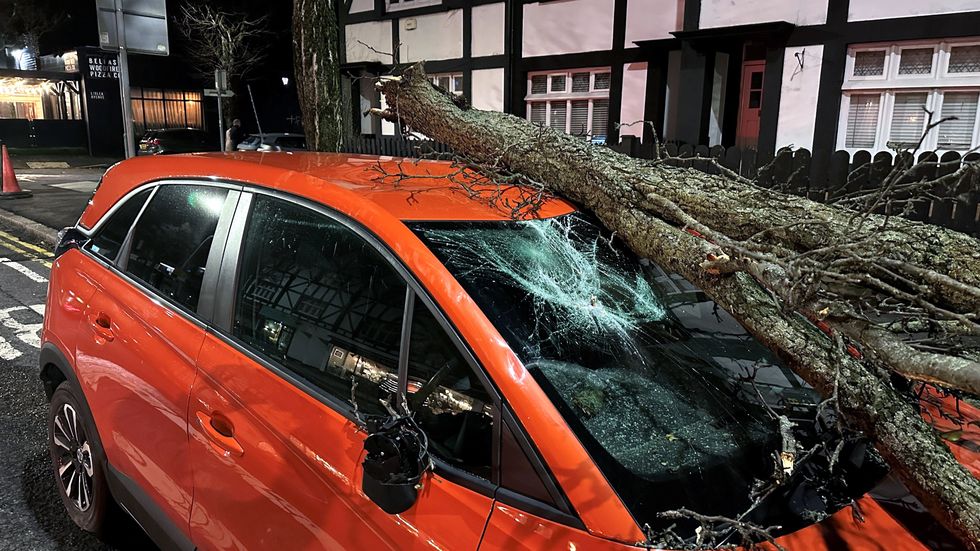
(11, 189)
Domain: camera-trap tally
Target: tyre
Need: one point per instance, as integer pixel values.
(78, 460)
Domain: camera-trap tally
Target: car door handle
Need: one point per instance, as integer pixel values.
(221, 432)
(102, 326)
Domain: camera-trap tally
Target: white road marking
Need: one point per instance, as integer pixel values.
(28, 333)
(7, 351)
(34, 276)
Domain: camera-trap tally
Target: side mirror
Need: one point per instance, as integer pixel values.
(397, 457)
(69, 238)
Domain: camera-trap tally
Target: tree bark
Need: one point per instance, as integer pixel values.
(316, 53)
(638, 201)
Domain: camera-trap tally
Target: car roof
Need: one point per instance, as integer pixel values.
(423, 194)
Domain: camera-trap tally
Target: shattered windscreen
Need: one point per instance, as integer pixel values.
(663, 388)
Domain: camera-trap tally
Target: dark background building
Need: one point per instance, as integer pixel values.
(69, 92)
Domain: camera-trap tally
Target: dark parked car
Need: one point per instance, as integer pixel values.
(176, 140)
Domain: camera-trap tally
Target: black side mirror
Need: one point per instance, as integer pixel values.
(397, 457)
(69, 238)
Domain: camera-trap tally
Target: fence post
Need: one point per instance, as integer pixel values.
(799, 183)
(941, 213)
(966, 207)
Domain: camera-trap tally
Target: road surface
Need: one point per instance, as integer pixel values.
(31, 514)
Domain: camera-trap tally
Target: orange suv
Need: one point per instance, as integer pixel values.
(279, 352)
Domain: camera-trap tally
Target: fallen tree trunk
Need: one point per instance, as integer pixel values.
(649, 205)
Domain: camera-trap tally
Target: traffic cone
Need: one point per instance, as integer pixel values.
(11, 189)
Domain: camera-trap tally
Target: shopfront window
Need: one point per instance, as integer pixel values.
(155, 109)
(34, 98)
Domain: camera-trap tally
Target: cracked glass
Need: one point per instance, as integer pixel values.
(651, 375)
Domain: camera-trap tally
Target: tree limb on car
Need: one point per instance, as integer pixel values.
(777, 262)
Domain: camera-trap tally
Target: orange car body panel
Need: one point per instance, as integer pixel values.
(308, 483)
(295, 480)
(137, 378)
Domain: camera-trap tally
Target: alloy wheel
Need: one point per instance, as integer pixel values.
(74, 457)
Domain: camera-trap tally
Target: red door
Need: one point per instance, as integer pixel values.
(750, 104)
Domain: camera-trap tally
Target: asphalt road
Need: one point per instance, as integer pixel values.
(60, 195)
(31, 513)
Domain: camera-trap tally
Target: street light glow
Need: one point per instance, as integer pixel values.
(285, 81)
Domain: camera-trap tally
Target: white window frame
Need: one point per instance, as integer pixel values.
(410, 4)
(849, 72)
(935, 85)
(434, 78)
(947, 50)
(549, 97)
(897, 56)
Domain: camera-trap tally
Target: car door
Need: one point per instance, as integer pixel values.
(308, 341)
(138, 364)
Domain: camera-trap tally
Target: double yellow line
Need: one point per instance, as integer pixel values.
(29, 250)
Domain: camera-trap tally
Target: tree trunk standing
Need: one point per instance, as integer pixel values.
(644, 204)
(316, 51)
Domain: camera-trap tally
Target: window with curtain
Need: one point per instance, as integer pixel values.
(575, 101)
(890, 90)
(155, 109)
(908, 119)
(959, 115)
(862, 120)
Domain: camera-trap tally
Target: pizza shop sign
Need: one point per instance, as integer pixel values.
(103, 67)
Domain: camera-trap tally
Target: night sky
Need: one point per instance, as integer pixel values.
(277, 104)
(79, 29)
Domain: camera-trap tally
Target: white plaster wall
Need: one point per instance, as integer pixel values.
(488, 89)
(567, 26)
(859, 10)
(727, 13)
(358, 6)
(634, 99)
(436, 36)
(488, 30)
(652, 19)
(798, 98)
(387, 127)
(376, 34)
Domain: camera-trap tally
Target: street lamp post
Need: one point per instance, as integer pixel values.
(124, 92)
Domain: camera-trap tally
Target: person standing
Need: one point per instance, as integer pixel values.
(234, 135)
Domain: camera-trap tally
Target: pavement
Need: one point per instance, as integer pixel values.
(57, 158)
(32, 516)
(59, 197)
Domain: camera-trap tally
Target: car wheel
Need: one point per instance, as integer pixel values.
(78, 460)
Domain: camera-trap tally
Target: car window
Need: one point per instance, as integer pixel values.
(516, 470)
(320, 301)
(172, 240)
(447, 399)
(110, 237)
